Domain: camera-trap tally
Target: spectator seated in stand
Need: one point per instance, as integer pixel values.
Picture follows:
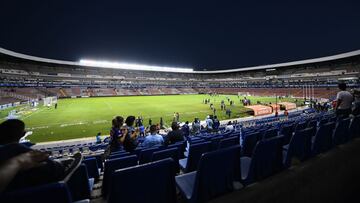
(229, 127)
(186, 129)
(216, 124)
(48, 171)
(175, 135)
(209, 123)
(129, 139)
(98, 138)
(153, 138)
(195, 127)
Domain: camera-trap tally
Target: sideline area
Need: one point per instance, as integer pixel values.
(84, 140)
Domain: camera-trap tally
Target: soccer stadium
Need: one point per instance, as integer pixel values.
(110, 131)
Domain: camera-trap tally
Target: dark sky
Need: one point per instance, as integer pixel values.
(198, 34)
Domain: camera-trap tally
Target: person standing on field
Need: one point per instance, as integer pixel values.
(177, 117)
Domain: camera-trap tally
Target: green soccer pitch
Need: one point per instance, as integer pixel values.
(85, 117)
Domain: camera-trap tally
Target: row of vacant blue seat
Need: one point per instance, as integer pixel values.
(251, 136)
(125, 183)
(157, 182)
(187, 165)
(214, 175)
(311, 141)
(123, 160)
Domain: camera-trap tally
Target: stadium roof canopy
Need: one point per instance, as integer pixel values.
(127, 66)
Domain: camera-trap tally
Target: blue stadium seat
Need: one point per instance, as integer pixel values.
(150, 183)
(196, 141)
(270, 133)
(355, 127)
(266, 160)
(332, 119)
(287, 131)
(115, 164)
(79, 184)
(146, 154)
(181, 148)
(99, 160)
(54, 192)
(118, 152)
(194, 138)
(227, 142)
(300, 126)
(137, 151)
(195, 151)
(312, 124)
(341, 133)
(92, 168)
(322, 141)
(168, 153)
(323, 121)
(299, 146)
(118, 155)
(249, 143)
(221, 166)
(215, 142)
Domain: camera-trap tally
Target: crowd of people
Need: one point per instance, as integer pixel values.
(223, 106)
(246, 102)
(345, 103)
(124, 134)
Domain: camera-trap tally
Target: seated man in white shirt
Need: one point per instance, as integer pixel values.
(229, 127)
(344, 101)
(209, 123)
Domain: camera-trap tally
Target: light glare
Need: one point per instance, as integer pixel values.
(107, 64)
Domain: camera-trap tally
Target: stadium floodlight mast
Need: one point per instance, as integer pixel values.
(129, 66)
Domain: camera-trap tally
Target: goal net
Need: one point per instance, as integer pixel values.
(244, 94)
(49, 101)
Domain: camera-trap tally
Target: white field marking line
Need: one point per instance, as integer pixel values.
(33, 113)
(109, 106)
(100, 121)
(68, 124)
(72, 124)
(188, 113)
(35, 128)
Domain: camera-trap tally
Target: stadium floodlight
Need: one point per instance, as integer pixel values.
(129, 66)
(270, 69)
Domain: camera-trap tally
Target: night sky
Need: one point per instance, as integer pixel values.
(199, 34)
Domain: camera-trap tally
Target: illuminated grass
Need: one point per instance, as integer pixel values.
(76, 118)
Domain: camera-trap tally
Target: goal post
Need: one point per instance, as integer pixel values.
(49, 101)
(244, 94)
